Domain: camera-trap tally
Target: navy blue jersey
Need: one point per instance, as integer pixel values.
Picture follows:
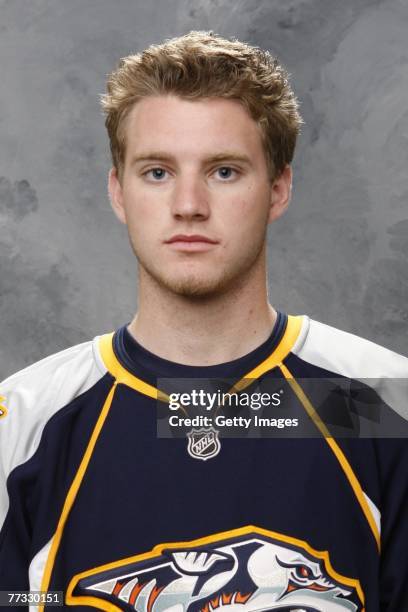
(94, 504)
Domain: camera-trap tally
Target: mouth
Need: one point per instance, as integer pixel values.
(191, 243)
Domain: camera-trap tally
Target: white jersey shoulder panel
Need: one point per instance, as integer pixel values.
(354, 357)
(32, 396)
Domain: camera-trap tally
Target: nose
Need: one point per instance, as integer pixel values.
(190, 199)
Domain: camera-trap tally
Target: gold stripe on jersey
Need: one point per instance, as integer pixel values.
(340, 456)
(73, 491)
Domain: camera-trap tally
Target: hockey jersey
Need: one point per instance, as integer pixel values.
(93, 503)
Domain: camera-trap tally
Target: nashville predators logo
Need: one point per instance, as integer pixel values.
(244, 570)
(3, 409)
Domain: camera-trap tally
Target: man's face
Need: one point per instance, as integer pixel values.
(195, 193)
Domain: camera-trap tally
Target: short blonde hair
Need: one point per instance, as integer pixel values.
(204, 65)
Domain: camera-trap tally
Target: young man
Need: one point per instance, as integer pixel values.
(92, 502)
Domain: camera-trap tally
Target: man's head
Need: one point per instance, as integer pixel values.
(203, 65)
(202, 131)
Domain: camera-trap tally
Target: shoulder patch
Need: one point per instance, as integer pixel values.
(3, 409)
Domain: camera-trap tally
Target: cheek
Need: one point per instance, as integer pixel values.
(143, 215)
(134, 202)
(247, 216)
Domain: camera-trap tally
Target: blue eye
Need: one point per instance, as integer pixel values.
(156, 173)
(225, 172)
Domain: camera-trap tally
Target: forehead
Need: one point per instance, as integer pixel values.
(192, 127)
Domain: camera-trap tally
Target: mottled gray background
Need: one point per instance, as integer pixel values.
(340, 254)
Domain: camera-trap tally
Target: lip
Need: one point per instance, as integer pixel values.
(190, 238)
(191, 242)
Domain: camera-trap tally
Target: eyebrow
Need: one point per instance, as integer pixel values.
(219, 157)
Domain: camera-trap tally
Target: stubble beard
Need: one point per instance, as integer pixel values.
(195, 286)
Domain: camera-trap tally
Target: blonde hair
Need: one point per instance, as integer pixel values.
(204, 65)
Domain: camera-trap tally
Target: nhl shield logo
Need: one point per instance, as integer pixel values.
(203, 443)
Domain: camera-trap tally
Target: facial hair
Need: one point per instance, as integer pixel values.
(193, 285)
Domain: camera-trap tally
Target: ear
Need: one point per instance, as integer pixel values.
(116, 195)
(281, 190)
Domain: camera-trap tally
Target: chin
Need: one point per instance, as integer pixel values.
(195, 287)
(198, 284)
(209, 282)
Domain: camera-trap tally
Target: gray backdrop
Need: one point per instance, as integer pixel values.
(339, 255)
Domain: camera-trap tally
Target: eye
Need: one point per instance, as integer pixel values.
(156, 174)
(226, 172)
(302, 572)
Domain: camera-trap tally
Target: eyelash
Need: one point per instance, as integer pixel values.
(234, 171)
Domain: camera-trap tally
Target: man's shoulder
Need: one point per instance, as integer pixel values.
(347, 354)
(72, 357)
(55, 379)
(374, 374)
(30, 398)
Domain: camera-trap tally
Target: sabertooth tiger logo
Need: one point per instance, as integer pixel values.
(244, 570)
(203, 443)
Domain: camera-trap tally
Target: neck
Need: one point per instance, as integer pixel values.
(203, 331)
